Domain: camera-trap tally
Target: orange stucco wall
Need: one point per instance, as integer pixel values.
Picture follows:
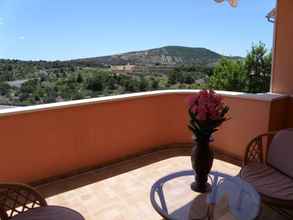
(282, 78)
(282, 75)
(52, 142)
(279, 114)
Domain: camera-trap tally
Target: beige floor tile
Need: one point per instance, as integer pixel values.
(126, 196)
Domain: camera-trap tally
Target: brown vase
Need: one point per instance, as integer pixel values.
(202, 158)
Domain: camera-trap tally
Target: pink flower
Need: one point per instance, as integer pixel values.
(214, 114)
(191, 100)
(217, 100)
(204, 92)
(206, 104)
(203, 100)
(201, 114)
(194, 108)
(207, 112)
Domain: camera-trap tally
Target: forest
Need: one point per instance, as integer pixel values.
(36, 82)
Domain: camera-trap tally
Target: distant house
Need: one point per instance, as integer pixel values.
(17, 83)
(123, 69)
(200, 81)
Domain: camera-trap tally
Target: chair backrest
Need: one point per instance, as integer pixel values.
(18, 198)
(280, 154)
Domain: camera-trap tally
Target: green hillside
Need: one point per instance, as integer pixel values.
(169, 55)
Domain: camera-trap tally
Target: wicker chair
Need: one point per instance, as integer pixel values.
(18, 198)
(268, 166)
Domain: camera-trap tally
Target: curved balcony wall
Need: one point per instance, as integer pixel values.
(44, 141)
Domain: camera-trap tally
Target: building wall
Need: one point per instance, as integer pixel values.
(55, 139)
(123, 69)
(278, 114)
(282, 78)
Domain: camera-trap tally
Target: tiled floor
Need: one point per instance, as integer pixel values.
(125, 196)
(121, 197)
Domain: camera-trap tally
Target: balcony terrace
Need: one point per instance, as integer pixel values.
(126, 195)
(123, 196)
(121, 191)
(78, 135)
(101, 156)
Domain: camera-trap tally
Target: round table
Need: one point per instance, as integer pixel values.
(49, 213)
(172, 197)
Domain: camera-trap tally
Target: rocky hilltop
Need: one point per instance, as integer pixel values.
(170, 55)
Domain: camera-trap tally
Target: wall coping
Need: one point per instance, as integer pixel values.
(265, 97)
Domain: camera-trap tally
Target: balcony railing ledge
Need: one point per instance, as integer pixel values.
(266, 97)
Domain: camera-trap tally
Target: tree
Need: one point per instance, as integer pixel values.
(29, 86)
(188, 78)
(143, 84)
(258, 64)
(250, 75)
(67, 88)
(131, 85)
(111, 82)
(154, 84)
(4, 88)
(188, 74)
(72, 68)
(175, 76)
(96, 83)
(79, 78)
(229, 75)
(172, 78)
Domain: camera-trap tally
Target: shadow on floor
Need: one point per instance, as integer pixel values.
(62, 185)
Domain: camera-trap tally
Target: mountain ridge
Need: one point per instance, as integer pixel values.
(168, 55)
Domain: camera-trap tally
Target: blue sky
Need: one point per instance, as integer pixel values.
(66, 29)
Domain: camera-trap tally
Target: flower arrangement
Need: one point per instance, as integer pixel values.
(207, 112)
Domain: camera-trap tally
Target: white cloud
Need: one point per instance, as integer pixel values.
(21, 38)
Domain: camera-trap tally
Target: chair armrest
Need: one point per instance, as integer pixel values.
(256, 150)
(18, 198)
